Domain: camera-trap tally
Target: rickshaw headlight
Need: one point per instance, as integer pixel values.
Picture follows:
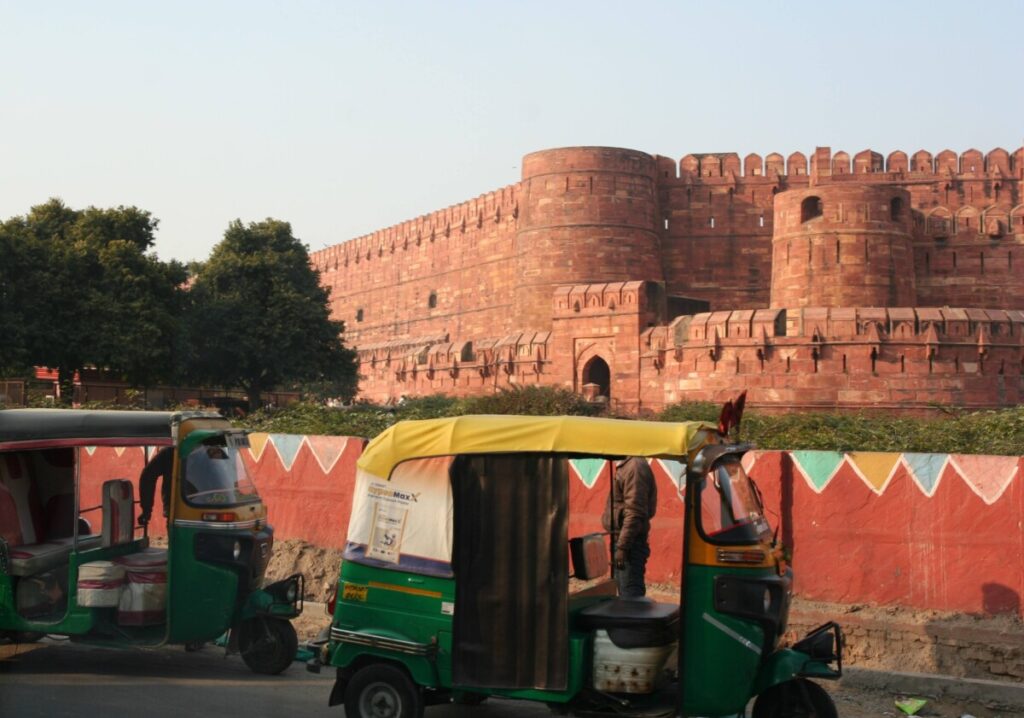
(767, 601)
(292, 593)
(236, 550)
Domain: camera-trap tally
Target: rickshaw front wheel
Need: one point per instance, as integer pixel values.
(380, 690)
(267, 645)
(798, 698)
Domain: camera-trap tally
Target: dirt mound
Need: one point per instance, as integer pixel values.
(319, 565)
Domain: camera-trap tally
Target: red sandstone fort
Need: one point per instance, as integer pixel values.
(877, 283)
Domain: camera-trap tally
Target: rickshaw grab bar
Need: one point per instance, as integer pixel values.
(217, 525)
(411, 648)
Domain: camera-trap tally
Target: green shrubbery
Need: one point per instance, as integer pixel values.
(364, 419)
(984, 432)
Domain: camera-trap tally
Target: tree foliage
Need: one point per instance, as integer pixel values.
(78, 288)
(258, 318)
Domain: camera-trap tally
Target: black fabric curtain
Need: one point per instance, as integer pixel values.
(511, 563)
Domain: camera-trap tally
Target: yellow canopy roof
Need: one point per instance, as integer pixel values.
(495, 434)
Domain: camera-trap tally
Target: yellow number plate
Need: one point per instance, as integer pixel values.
(353, 593)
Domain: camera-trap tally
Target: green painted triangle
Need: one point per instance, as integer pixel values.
(818, 466)
(588, 470)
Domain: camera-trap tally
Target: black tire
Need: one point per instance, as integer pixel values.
(380, 690)
(27, 636)
(790, 700)
(267, 645)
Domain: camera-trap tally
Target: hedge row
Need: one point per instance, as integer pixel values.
(984, 432)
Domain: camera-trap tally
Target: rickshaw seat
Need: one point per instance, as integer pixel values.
(118, 512)
(22, 493)
(633, 622)
(36, 558)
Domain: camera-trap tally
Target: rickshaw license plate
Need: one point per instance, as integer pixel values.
(352, 592)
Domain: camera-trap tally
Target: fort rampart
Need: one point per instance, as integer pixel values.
(818, 281)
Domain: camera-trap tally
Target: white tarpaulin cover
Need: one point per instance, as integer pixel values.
(406, 522)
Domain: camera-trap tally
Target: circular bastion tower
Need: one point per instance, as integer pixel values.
(842, 246)
(587, 215)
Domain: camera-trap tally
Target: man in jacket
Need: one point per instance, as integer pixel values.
(159, 467)
(631, 505)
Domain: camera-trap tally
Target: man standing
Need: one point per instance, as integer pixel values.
(631, 505)
(159, 467)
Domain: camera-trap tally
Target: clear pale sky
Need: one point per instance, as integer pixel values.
(346, 117)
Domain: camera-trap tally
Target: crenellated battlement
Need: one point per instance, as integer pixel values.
(971, 164)
(491, 207)
(825, 325)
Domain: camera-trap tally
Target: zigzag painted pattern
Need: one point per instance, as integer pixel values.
(987, 476)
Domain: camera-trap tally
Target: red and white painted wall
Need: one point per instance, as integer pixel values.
(925, 531)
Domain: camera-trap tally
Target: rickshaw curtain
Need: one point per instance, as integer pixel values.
(510, 558)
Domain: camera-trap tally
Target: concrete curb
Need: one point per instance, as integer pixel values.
(999, 695)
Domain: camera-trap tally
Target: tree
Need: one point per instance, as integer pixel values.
(83, 291)
(259, 319)
(19, 259)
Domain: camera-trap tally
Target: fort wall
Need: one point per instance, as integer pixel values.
(446, 273)
(866, 299)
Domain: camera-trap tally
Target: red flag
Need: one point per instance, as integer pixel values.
(725, 419)
(737, 408)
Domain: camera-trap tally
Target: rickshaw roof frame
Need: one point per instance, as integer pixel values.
(46, 428)
(505, 434)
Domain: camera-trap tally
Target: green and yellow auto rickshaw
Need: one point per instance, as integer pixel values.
(88, 572)
(455, 581)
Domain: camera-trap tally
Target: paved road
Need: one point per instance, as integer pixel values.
(52, 680)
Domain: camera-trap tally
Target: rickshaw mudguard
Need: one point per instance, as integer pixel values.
(271, 600)
(786, 664)
(422, 669)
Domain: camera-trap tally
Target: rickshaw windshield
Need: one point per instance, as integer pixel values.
(213, 473)
(730, 508)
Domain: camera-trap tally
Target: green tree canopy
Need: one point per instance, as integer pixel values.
(78, 289)
(259, 319)
(20, 257)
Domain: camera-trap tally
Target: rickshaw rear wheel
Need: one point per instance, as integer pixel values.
(267, 645)
(798, 698)
(380, 690)
(28, 636)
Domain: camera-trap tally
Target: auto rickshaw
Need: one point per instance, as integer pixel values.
(89, 573)
(455, 581)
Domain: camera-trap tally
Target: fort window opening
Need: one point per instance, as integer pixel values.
(810, 208)
(596, 371)
(359, 315)
(432, 300)
(896, 208)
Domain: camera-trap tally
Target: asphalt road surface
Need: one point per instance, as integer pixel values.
(56, 679)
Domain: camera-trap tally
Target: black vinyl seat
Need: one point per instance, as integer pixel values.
(633, 622)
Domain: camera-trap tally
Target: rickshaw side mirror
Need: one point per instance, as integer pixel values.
(589, 556)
